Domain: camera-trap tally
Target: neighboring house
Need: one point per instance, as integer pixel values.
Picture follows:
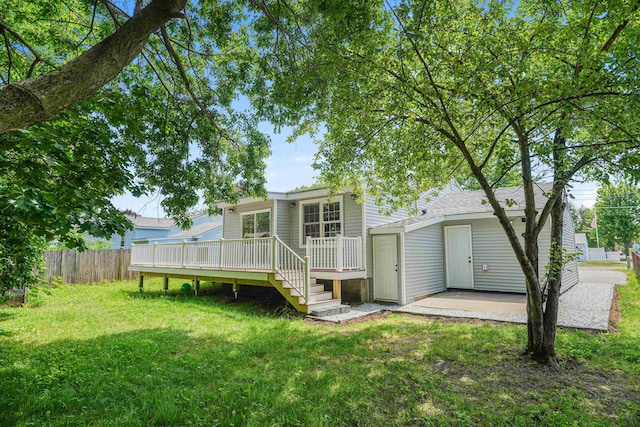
(144, 228)
(203, 228)
(318, 250)
(582, 247)
(149, 230)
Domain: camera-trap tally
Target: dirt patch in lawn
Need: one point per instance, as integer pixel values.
(500, 379)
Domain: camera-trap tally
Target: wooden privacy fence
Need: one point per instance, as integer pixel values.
(636, 262)
(89, 266)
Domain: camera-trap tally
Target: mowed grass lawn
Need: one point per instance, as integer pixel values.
(105, 355)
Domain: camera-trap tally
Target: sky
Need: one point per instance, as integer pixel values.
(289, 166)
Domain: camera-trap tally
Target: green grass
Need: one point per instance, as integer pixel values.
(603, 264)
(106, 355)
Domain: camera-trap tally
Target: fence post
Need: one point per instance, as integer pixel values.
(184, 242)
(274, 252)
(221, 264)
(339, 251)
(153, 259)
(120, 267)
(307, 279)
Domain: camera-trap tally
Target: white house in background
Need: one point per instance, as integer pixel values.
(582, 247)
(318, 251)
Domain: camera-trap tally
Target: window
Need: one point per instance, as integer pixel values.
(320, 219)
(256, 224)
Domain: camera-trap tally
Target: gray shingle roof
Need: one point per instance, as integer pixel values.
(469, 202)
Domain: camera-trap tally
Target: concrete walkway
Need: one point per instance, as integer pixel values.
(585, 306)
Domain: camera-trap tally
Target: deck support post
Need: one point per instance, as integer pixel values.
(140, 283)
(166, 285)
(337, 289)
(235, 289)
(197, 286)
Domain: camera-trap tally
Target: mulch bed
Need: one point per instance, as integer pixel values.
(614, 314)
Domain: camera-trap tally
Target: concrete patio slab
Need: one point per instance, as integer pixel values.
(585, 306)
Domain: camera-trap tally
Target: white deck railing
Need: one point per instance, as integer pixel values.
(335, 253)
(260, 254)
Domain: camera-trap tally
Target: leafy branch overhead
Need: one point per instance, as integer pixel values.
(150, 90)
(413, 92)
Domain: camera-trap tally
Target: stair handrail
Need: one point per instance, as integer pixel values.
(293, 276)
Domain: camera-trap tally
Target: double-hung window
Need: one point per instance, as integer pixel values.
(320, 219)
(256, 224)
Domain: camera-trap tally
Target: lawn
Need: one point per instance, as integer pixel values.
(106, 355)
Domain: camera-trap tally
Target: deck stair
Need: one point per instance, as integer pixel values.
(320, 300)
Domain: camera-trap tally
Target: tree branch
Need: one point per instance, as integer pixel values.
(616, 33)
(22, 41)
(38, 98)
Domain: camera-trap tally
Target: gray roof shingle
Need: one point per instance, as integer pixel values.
(472, 202)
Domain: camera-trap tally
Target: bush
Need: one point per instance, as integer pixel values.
(21, 256)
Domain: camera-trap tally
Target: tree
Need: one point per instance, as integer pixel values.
(618, 208)
(411, 92)
(97, 99)
(582, 218)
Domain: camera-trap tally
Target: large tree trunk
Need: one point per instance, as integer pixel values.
(548, 353)
(38, 98)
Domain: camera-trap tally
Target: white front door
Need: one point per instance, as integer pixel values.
(385, 267)
(459, 257)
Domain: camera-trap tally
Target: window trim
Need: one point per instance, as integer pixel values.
(340, 199)
(243, 214)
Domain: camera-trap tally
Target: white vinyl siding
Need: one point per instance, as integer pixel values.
(570, 271)
(230, 224)
(492, 248)
(424, 262)
(283, 210)
(352, 217)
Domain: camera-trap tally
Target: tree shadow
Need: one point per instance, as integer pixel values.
(167, 377)
(250, 300)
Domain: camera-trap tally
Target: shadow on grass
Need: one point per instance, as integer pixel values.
(260, 301)
(278, 375)
(274, 372)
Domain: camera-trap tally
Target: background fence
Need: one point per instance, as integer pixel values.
(89, 266)
(636, 262)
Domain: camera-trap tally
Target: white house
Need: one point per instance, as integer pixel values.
(318, 251)
(459, 243)
(582, 247)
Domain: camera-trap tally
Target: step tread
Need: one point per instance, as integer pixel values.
(335, 301)
(329, 311)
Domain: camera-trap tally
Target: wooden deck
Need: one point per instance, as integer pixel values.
(255, 262)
